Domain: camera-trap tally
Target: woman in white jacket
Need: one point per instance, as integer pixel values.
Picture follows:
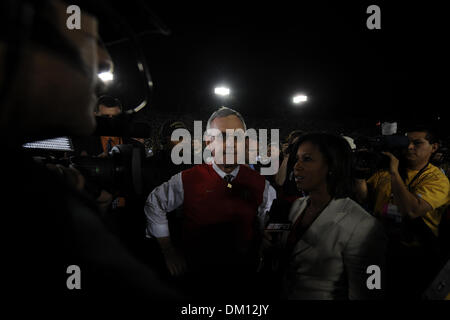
(335, 249)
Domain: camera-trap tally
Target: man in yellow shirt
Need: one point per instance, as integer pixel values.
(430, 189)
(409, 201)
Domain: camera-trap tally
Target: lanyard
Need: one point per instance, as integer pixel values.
(417, 176)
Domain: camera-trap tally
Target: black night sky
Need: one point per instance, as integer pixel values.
(266, 52)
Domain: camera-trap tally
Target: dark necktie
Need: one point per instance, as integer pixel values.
(227, 179)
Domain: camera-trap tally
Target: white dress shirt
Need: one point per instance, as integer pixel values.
(170, 195)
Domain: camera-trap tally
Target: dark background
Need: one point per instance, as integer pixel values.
(268, 51)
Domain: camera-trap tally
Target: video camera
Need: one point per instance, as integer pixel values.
(120, 173)
(367, 158)
(123, 172)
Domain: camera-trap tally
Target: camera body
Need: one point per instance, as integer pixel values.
(122, 172)
(368, 157)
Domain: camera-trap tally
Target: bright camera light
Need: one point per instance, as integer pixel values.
(61, 144)
(222, 91)
(106, 76)
(299, 98)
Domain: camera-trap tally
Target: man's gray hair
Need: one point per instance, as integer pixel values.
(225, 112)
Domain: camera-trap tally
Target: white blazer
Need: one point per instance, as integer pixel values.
(330, 261)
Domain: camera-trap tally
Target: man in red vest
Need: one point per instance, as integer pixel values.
(224, 208)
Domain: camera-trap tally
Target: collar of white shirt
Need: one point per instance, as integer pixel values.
(223, 174)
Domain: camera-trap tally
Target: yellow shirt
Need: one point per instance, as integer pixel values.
(432, 186)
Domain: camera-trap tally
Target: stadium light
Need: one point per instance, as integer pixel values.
(106, 76)
(299, 98)
(222, 91)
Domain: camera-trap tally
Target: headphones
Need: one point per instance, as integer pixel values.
(22, 20)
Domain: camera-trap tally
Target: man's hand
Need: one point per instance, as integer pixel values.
(408, 203)
(175, 261)
(360, 190)
(71, 175)
(285, 150)
(393, 167)
(104, 200)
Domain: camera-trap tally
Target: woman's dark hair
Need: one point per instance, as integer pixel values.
(338, 156)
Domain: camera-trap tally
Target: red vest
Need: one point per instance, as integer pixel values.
(217, 219)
